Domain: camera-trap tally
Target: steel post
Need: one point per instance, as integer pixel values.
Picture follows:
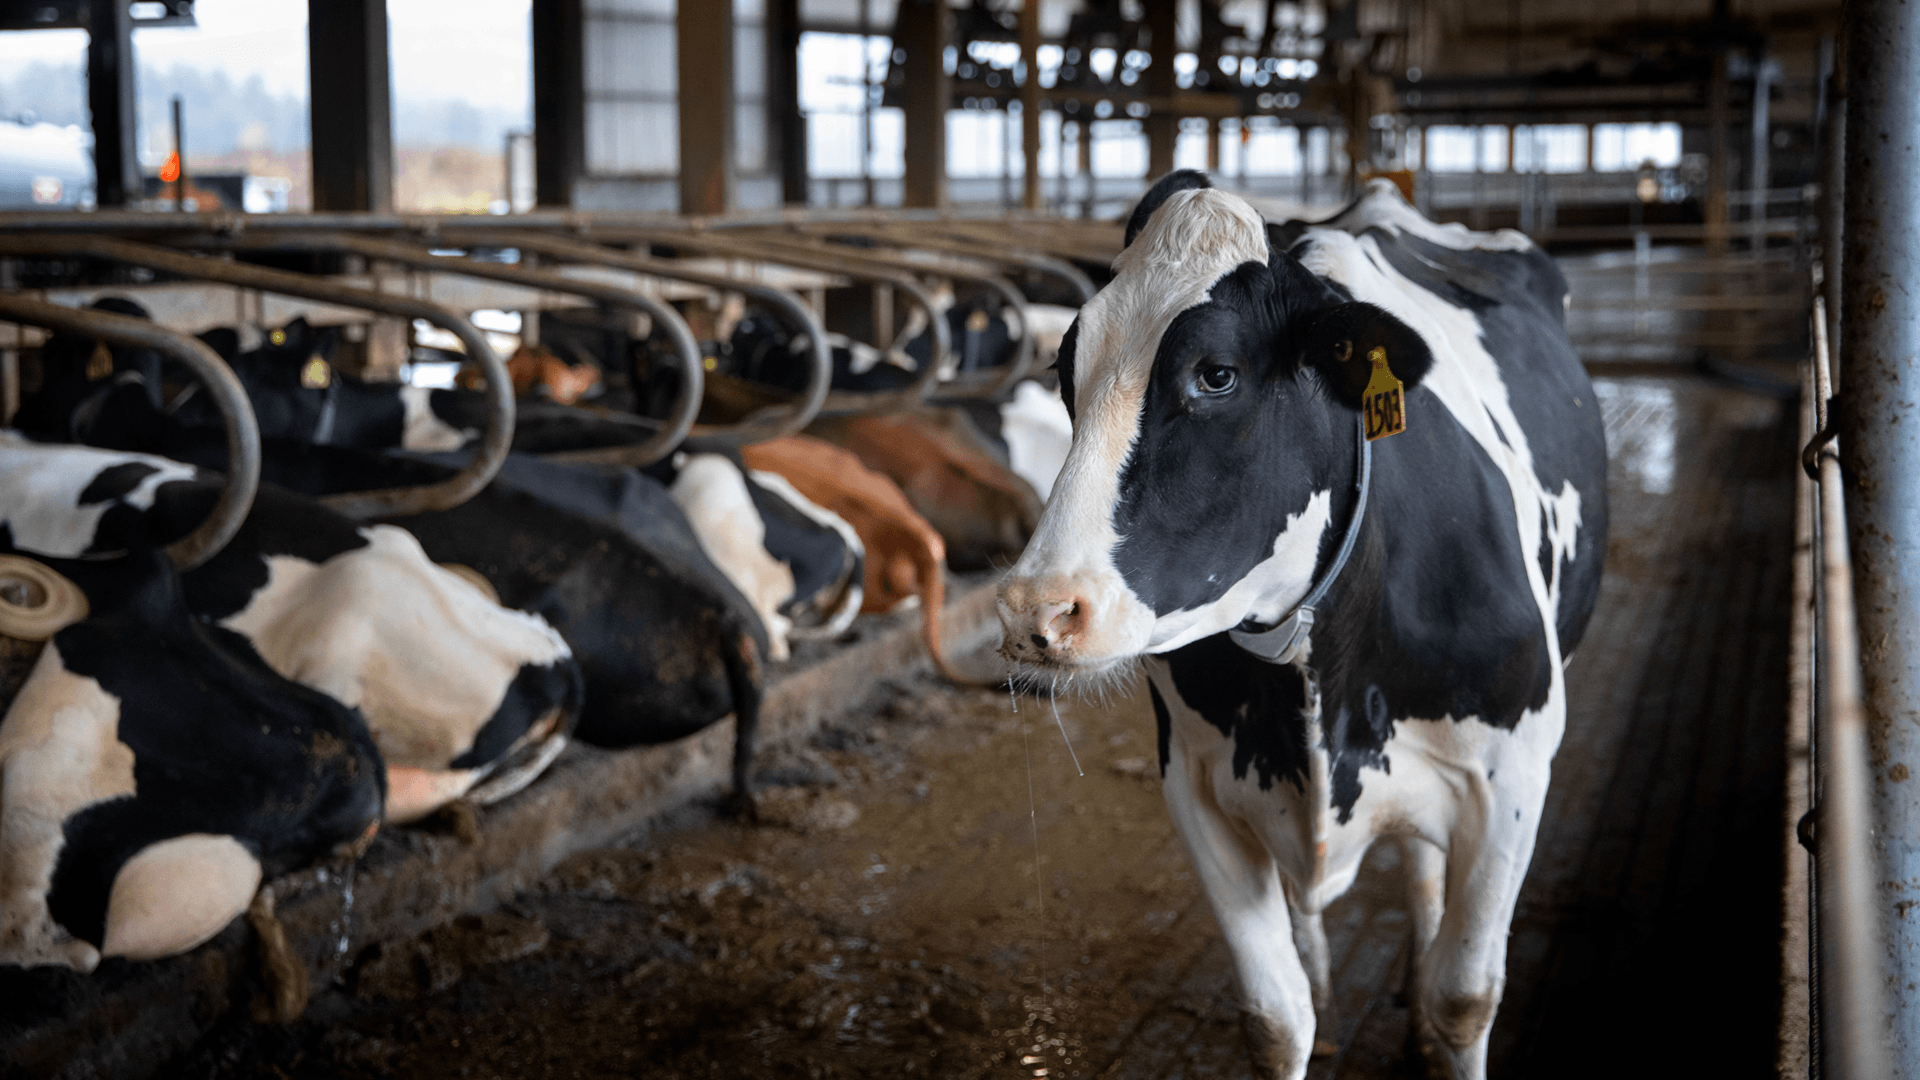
(1880, 446)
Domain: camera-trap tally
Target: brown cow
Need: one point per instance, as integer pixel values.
(905, 555)
(952, 474)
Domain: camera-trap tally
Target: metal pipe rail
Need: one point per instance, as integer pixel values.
(687, 405)
(945, 265)
(788, 419)
(1011, 255)
(745, 247)
(243, 433)
(1850, 1018)
(451, 492)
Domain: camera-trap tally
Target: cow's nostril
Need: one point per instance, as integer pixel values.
(1038, 641)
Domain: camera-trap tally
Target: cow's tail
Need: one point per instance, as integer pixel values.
(744, 679)
(933, 591)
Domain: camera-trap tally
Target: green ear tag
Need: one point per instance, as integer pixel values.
(1385, 400)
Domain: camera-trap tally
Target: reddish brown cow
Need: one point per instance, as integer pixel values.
(952, 474)
(905, 555)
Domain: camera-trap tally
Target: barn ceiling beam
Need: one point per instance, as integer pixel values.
(707, 173)
(351, 103)
(559, 100)
(110, 98)
(923, 29)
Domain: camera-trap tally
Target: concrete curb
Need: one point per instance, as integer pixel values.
(127, 1019)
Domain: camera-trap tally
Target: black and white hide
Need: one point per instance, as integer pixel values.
(798, 564)
(1224, 386)
(665, 643)
(463, 696)
(153, 770)
(298, 394)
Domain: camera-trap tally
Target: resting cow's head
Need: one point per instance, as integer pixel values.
(1215, 387)
(298, 394)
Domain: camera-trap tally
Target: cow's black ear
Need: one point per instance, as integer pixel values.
(1340, 340)
(224, 340)
(120, 305)
(1178, 180)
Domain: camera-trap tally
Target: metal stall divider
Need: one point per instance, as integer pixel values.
(451, 492)
(988, 382)
(739, 247)
(784, 419)
(243, 433)
(1011, 253)
(686, 406)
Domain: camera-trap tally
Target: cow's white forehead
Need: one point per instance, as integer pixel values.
(1194, 239)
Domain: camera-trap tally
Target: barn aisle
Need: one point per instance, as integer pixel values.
(885, 918)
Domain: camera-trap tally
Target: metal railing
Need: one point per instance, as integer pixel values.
(494, 443)
(243, 433)
(1847, 1021)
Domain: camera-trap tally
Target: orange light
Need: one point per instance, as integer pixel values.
(171, 170)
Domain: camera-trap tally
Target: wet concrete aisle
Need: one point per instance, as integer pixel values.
(886, 919)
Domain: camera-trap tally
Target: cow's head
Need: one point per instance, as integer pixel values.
(297, 393)
(1215, 386)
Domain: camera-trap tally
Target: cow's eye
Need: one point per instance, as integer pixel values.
(1215, 378)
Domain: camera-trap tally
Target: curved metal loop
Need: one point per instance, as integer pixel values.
(782, 420)
(448, 493)
(838, 402)
(243, 433)
(686, 406)
(931, 235)
(987, 382)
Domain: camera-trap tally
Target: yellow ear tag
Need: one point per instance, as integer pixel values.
(315, 374)
(1385, 401)
(100, 364)
(278, 337)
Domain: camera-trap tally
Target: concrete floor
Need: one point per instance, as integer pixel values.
(887, 920)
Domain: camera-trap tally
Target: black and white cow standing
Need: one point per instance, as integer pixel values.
(1346, 639)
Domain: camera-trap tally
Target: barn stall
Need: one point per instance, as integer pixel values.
(943, 876)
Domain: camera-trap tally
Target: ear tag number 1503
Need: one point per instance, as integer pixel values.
(1385, 400)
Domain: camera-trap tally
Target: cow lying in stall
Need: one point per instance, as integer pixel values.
(905, 557)
(115, 398)
(799, 565)
(299, 396)
(464, 697)
(665, 644)
(1345, 639)
(153, 771)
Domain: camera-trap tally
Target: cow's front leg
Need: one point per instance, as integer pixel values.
(1244, 888)
(1464, 970)
(1425, 865)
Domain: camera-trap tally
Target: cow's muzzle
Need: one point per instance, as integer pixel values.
(1044, 622)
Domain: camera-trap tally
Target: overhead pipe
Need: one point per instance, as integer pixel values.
(454, 490)
(243, 432)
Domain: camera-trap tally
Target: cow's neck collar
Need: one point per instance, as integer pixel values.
(1284, 642)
